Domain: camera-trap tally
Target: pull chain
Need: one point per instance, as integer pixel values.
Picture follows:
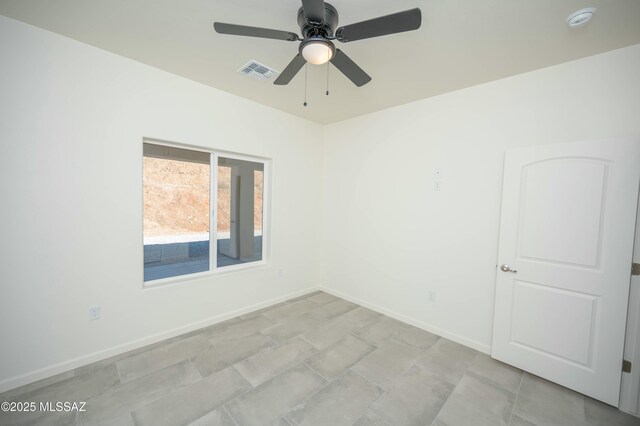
(305, 84)
(328, 78)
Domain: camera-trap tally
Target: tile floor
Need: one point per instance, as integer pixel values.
(314, 360)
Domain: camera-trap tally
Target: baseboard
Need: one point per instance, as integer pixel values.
(411, 321)
(44, 373)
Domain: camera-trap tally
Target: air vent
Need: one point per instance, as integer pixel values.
(257, 71)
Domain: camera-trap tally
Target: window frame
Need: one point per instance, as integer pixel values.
(214, 155)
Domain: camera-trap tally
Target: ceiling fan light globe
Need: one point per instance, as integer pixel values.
(317, 52)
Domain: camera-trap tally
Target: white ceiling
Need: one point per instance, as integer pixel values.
(461, 43)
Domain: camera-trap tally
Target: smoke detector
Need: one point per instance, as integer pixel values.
(580, 17)
(257, 71)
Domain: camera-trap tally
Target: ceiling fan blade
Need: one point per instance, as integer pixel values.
(242, 30)
(390, 24)
(350, 68)
(290, 71)
(313, 10)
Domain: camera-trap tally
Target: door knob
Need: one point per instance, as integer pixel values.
(506, 268)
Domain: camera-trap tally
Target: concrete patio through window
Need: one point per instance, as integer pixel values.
(175, 255)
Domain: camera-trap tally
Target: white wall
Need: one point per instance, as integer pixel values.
(72, 119)
(388, 238)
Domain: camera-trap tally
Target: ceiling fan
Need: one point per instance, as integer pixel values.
(318, 21)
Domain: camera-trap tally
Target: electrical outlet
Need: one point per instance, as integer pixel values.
(94, 313)
(280, 273)
(437, 185)
(431, 296)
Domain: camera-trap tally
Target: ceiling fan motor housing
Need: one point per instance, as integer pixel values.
(319, 29)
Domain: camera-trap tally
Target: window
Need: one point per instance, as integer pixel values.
(180, 188)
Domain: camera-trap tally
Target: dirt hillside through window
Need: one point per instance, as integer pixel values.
(176, 198)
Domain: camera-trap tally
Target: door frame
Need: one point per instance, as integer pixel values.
(630, 386)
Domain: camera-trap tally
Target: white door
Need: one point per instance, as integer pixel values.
(564, 262)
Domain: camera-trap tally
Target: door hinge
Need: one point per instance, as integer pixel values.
(626, 366)
(635, 269)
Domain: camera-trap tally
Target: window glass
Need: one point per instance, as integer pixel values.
(176, 187)
(240, 222)
(178, 200)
